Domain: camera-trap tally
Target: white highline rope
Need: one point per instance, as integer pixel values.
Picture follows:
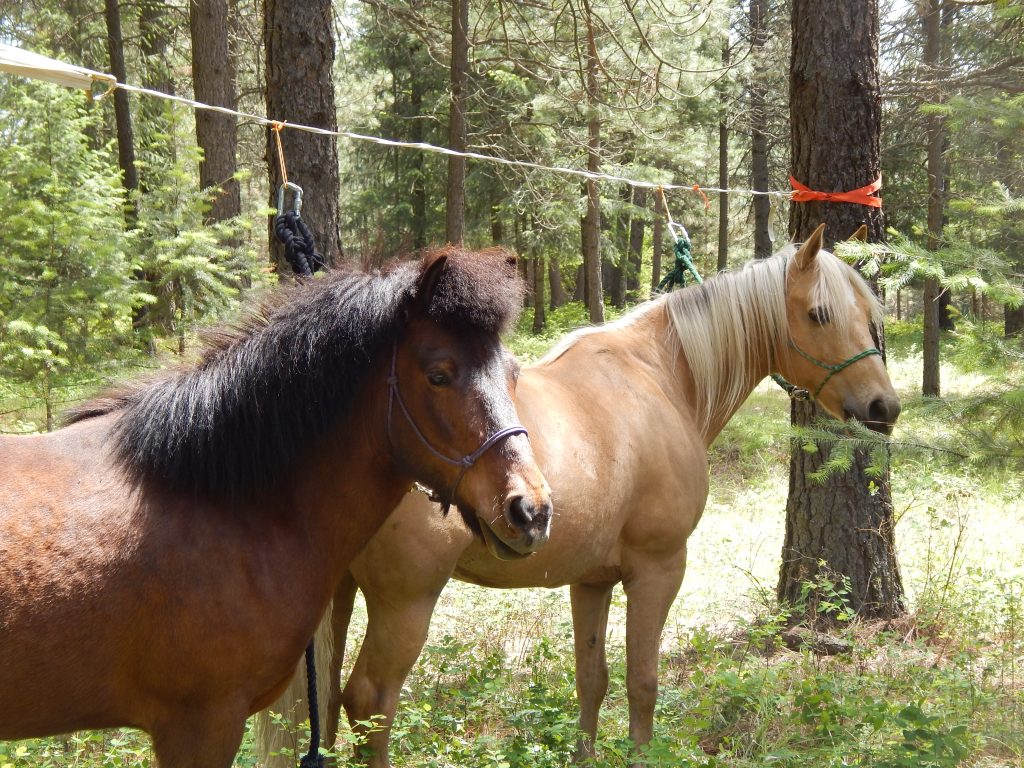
(18, 61)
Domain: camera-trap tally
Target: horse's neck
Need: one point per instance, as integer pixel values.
(682, 381)
(347, 491)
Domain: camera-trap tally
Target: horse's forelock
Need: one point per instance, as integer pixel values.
(479, 289)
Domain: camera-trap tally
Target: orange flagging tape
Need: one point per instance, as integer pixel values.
(699, 191)
(861, 196)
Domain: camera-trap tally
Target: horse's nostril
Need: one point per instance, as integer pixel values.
(884, 410)
(522, 512)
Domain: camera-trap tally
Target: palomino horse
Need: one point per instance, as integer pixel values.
(166, 557)
(622, 417)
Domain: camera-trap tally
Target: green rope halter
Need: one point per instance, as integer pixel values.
(677, 276)
(833, 369)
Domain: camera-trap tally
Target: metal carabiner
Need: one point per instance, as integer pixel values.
(295, 188)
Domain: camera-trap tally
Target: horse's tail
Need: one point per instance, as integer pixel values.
(276, 728)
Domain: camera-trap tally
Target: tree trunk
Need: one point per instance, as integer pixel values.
(558, 297)
(457, 135)
(723, 170)
(122, 113)
(299, 50)
(657, 240)
(497, 227)
(758, 138)
(620, 269)
(637, 224)
(213, 77)
(418, 159)
(592, 219)
(539, 318)
(1012, 237)
(936, 137)
(847, 520)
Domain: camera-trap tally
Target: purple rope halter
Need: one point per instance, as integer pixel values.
(466, 461)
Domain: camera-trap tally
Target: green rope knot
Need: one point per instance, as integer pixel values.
(683, 265)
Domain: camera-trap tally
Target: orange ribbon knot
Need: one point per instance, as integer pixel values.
(861, 196)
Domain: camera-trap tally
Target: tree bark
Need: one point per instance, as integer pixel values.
(457, 134)
(637, 224)
(539, 305)
(723, 171)
(758, 138)
(936, 138)
(419, 181)
(657, 240)
(299, 50)
(213, 77)
(592, 219)
(1012, 239)
(621, 234)
(122, 113)
(558, 297)
(835, 102)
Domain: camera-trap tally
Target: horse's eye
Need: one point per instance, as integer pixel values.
(819, 315)
(438, 378)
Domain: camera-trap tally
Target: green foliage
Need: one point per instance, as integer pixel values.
(66, 297)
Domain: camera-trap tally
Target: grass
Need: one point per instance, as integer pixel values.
(942, 687)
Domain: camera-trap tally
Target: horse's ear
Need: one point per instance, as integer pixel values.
(428, 283)
(805, 255)
(861, 235)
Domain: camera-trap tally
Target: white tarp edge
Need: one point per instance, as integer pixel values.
(16, 61)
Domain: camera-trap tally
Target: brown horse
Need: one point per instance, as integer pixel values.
(622, 416)
(165, 558)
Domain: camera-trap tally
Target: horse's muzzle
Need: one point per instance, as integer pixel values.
(879, 415)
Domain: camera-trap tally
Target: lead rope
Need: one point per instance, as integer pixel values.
(300, 250)
(677, 277)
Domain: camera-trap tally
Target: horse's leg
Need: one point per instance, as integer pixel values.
(344, 599)
(590, 604)
(199, 738)
(651, 586)
(396, 630)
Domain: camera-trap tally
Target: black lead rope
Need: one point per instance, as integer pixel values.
(313, 758)
(297, 238)
(300, 250)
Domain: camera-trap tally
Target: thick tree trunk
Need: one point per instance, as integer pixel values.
(758, 138)
(299, 50)
(847, 520)
(213, 76)
(122, 113)
(592, 219)
(936, 136)
(457, 133)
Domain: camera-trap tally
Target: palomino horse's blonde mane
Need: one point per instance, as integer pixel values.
(725, 325)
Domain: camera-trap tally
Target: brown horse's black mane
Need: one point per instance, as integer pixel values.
(265, 391)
